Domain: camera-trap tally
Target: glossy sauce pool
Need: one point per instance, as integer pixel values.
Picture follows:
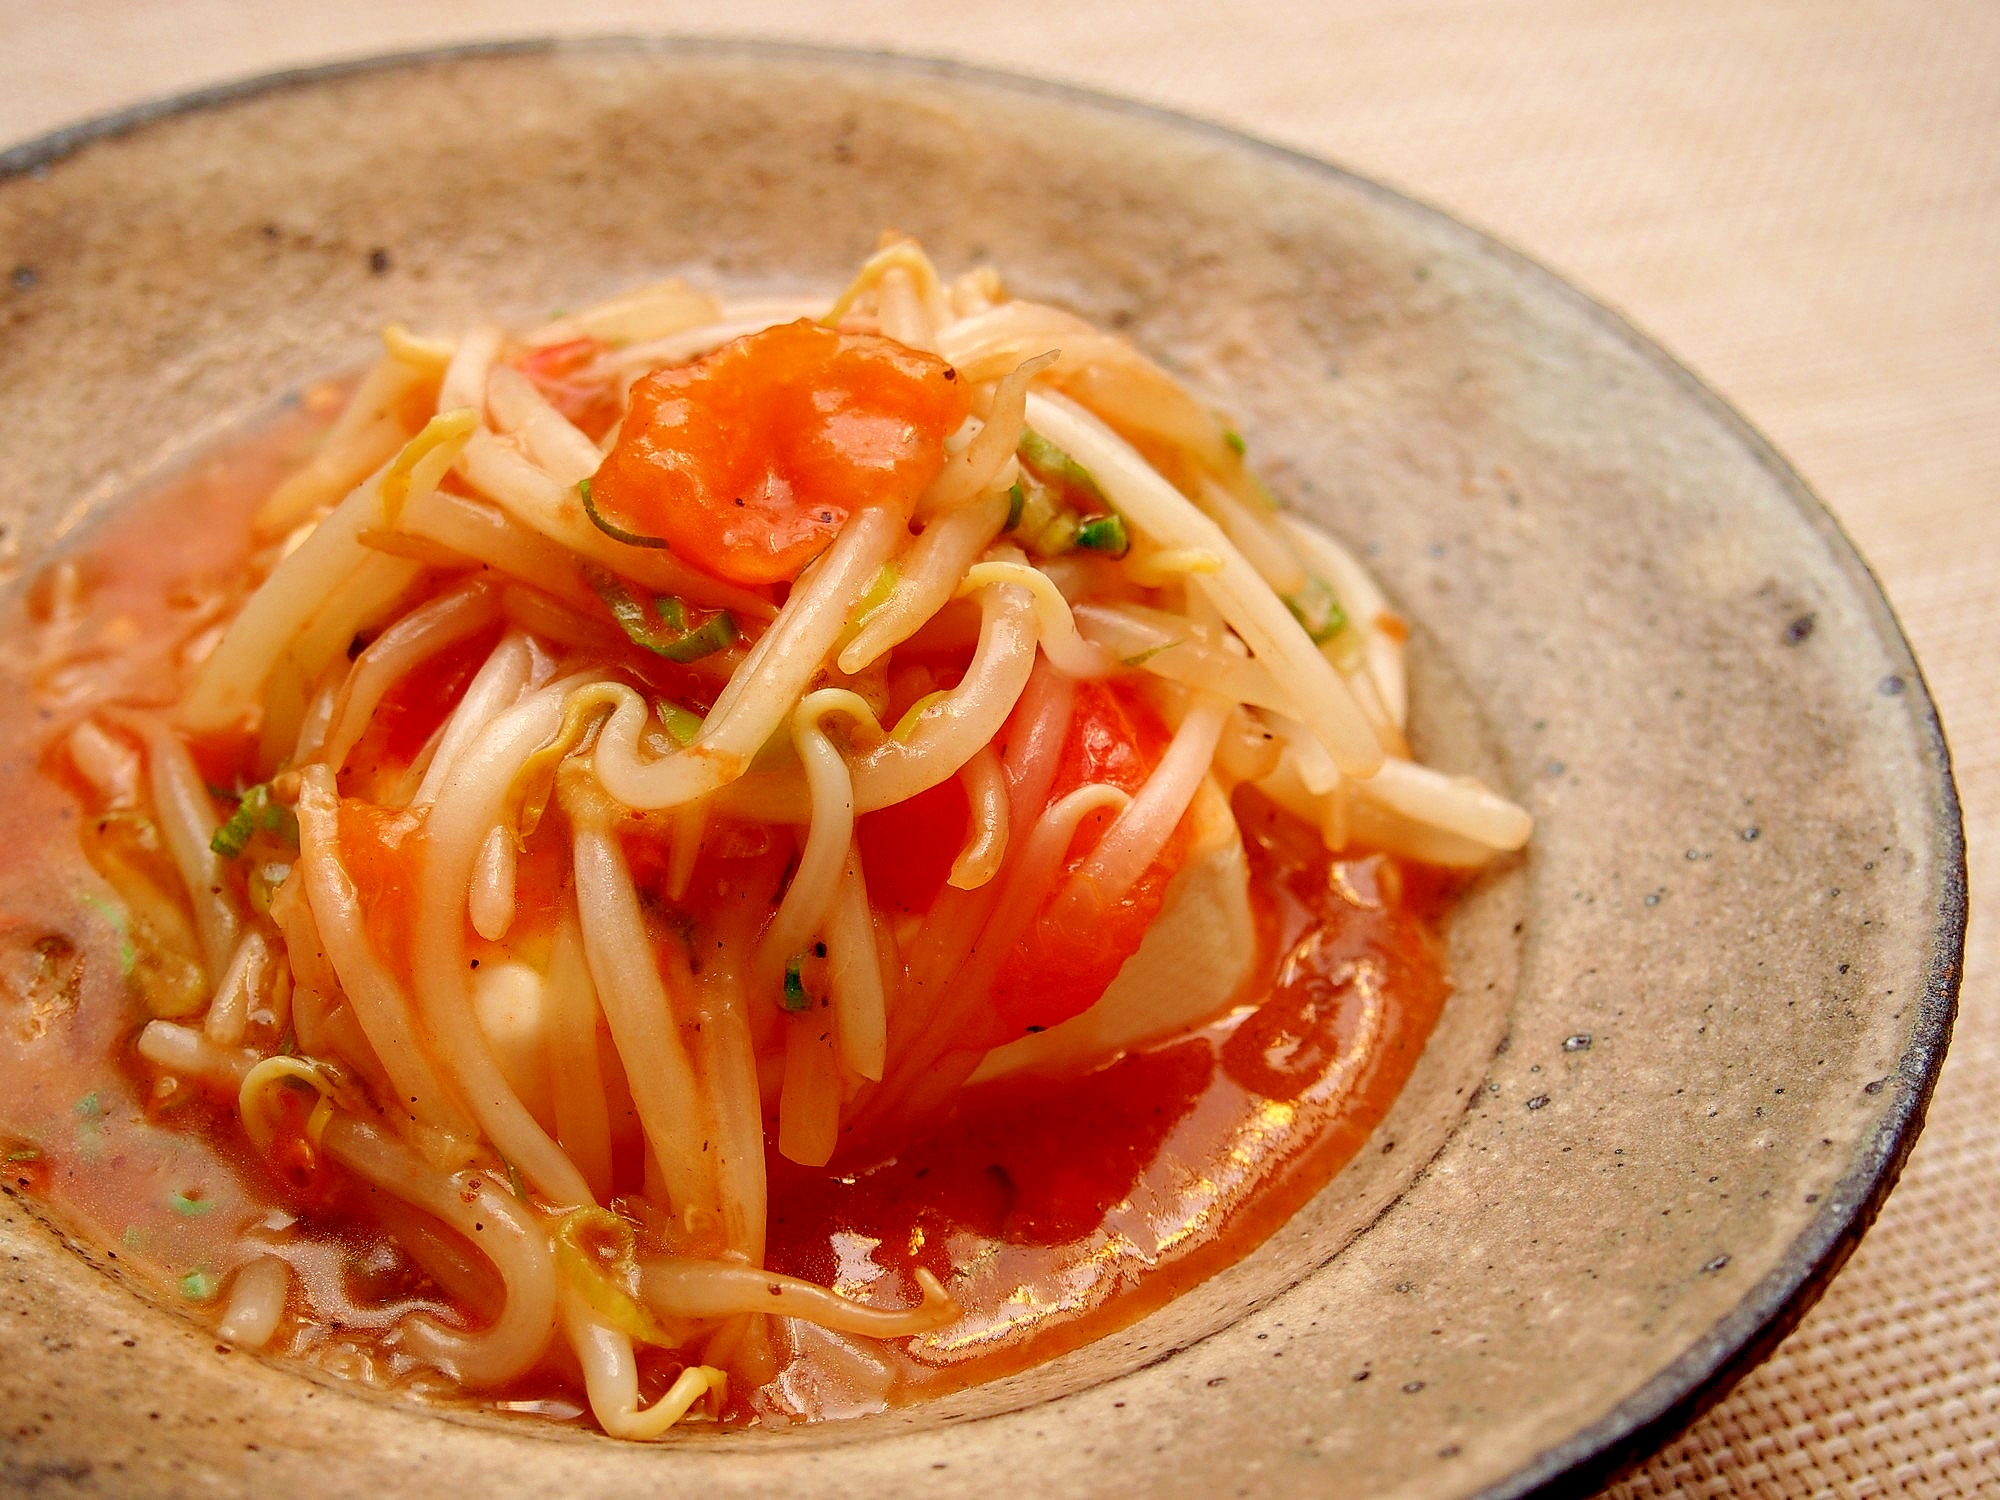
(1054, 1211)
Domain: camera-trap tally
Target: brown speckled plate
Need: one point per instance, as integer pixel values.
(1695, 1028)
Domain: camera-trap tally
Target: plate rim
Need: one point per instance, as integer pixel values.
(1646, 1419)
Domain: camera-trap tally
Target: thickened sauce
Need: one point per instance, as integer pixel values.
(1054, 1211)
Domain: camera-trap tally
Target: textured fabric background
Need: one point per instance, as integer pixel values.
(1801, 198)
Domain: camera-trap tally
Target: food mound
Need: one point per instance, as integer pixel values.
(713, 862)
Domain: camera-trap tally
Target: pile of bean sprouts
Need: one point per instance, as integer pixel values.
(444, 506)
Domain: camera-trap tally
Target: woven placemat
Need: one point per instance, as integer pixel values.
(1802, 199)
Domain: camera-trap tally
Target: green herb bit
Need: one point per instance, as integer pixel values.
(615, 532)
(514, 1180)
(189, 1205)
(796, 998)
(22, 1154)
(258, 812)
(1234, 440)
(1315, 607)
(1057, 467)
(200, 1285)
(681, 723)
(1104, 534)
(1017, 501)
(1044, 522)
(89, 1107)
(664, 630)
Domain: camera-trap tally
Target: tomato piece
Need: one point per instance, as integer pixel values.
(381, 848)
(747, 462)
(907, 848)
(574, 383)
(411, 711)
(1060, 967)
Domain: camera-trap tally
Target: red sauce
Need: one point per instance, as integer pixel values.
(1055, 1211)
(1058, 1211)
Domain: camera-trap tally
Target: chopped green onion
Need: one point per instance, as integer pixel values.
(1058, 536)
(1017, 501)
(1104, 534)
(258, 812)
(200, 1286)
(1235, 441)
(664, 630)
(89, 1107)
(713, 634)
(514, 1180)
(188, 1205)
(1315, 607)
(25, 1153)
(615, 532)
(1057, 467)
(796, 998)
(683, 724)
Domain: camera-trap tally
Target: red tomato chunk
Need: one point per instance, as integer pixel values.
(747, 462)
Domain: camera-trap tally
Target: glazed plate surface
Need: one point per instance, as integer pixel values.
(1694, 1029)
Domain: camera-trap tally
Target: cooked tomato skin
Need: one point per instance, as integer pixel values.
(908, 847)
(1060, 968)
(747, 462)
(567, 375)
(381, 848)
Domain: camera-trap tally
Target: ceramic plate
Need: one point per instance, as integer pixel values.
(1694, 1030)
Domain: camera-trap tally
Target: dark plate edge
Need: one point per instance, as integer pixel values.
(1649, 1417)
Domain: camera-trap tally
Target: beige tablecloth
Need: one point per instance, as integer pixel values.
(1799, 197)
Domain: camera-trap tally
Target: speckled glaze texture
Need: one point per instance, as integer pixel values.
(1695, 1026)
